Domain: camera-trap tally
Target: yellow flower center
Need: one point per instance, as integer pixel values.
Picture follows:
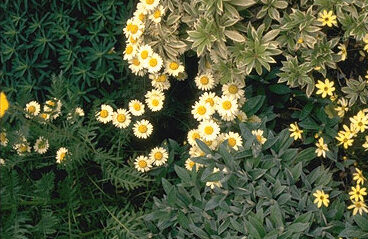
(161, 78)
(121, 118)
(174, 66)
(129, 50)
(191, 164)
(201, 110)
(157, 14)
(134, 29)
(231, 142)
(104, 113)
(226, 105)
(300, 40)
(233, 89)
(132, 40)
(150, 2)
(321, 197)
(155, 102)
(325, 88)
(208, 130)
(31, 109)
(44, 115)
(23, 148)
(153, 62)
(210, 101)
(51, 103)
(196, 136)
(136, 62)
(142, 163)
(137, 106)
(158, 156)
(144, 54)
(204, 80)
(2, 137)
(259, 138)
(208, 142)
(142, 129)
(141, 17)
(62, 156)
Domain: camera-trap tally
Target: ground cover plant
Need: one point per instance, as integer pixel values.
(184, 119)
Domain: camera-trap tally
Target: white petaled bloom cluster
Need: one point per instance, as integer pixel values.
(62, 154)
(22, 147)
(42, 145)
(157, 157)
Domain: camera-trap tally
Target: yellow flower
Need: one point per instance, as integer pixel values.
(359, 206)
(360, 121)
(358, 176)
(158, 156)
(345, 138)
(342, 108)
(327, 18)
(4, 104)
(321, 198)
(296, 132)
(365, 145)
(325, 88)
(321, 148)
(357, 193)
(342, 52)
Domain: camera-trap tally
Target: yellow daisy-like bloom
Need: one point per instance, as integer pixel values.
(360, 121)
(202, 111)
(160, 82)
(321, 148)
(3, 139)
(342, 108)
(214, 184)
(143, 129)
(358, 206)
(32, 109)
(158, 156)
(345, 138)
(4, 104)
(121, 118)
(325, 88)
(296, 132)
(342, 52)
(42, 145)
(105, 114)
(173, 68)
(321, 198)
(359, 177)
(233, 89)
(157, 14)
(205, 81)
(155, 100)
(327, 18)
(208, 130)
(365, 145)
(357, 193)
(259, 136)
(62, 154)
(234, 140)
(143, 164)
(192, 136)
(136, 107)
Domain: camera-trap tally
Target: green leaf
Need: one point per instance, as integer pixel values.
(254, 104)
(362, 221)
(306, 111)
(306, 155)
(280, 89)
(182, 173)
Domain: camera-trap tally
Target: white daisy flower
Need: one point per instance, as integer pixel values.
(142, 129)
(208, 130)
(140, 13)
(79, 111)
(202, 111)
(121, 118)
(227, 107)
(62, 154)
(144, 54)
(154, 63)
(158, 156)
(259, 136)
(134, 28)
(143, 164)
(242, 117)
(214, 184)
(157, 14)
(105, 114)
(192, 136)
(173, 68)
(53, 107)
(130, 51)
(160, 82)
(136, 66)
(22, 147)
(136, 107)
(150, 4)
(32, 109)
(205, 81)
(233, 89)
(42, 145)
(209, 97)
(196, 151)
(234, 140)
